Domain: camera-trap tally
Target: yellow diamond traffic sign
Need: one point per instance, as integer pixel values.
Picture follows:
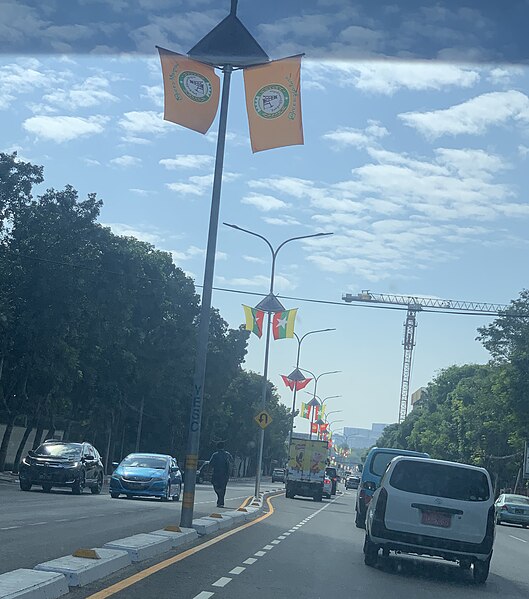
(263, 419)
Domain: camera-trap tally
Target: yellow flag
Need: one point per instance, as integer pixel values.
(273, 102)
(191, 91)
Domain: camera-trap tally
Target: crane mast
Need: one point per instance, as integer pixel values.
(415, 304)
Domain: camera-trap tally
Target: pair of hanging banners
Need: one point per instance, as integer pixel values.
(273, 100)
(282, 322)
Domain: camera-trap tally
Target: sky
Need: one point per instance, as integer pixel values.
(419, 168)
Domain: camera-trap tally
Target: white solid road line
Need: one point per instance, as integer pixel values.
(222, 581)
(203, 595)
(518, 539)
(9, 527)
(249, 561)
(237, 570)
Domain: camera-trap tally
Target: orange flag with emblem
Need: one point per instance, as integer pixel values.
(273, 103)
(191, 91)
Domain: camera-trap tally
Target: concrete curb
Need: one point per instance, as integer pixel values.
(51, 579)
(80, 571)
(32, 584)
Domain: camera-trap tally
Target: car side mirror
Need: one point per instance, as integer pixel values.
(89, 458)
(115, 465)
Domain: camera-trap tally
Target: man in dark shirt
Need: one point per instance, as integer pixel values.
(220, 464)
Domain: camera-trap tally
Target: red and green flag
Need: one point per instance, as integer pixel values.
(283, 324)
(254, 320)
(305, 411)
(313, 427)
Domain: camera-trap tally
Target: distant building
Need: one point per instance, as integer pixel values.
(418, 396)
(362, 438)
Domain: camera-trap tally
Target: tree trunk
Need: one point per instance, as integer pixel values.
(5, 441)
(109, 442)
(22, 444)
(122, 448)
(38, 435)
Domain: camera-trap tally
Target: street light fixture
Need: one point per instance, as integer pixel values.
(300, 341)
(316, 379)
(269, 304)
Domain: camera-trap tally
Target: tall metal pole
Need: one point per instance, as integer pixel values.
(263, 406)
(195, 419)
(295, 390)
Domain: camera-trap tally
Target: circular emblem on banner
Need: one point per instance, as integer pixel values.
(195, 86)
(271, 101)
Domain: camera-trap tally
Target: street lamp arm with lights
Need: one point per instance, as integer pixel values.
(271, 296)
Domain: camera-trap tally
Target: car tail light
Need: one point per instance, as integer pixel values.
(327, 481)
(380, 508)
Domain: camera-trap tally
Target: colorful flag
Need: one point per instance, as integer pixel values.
(324, 426)
(298, 385)
(283, 324)
(273, 103)
(191, 91)
(305, 411)
(313, 427)
(254, 320)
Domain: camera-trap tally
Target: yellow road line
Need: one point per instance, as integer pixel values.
(127, 582)
(246, 502)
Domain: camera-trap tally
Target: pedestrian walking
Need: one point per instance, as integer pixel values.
(220, 464)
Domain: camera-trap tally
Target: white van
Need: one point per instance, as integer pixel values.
(432, 507)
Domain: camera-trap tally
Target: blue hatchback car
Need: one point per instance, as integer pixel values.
(147, 475)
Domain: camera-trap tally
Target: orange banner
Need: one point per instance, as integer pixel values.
(191, 91)
(273, 103)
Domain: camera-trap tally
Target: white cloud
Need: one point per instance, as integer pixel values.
(91, 92)
(148, 234)
(191, 161)
(265, 203)
(91, 162)
(474, 116)
(281, 221)
(360, 138)
(64, 128)
(254, 260)
(16, 79)
(154, 93)
(141, 192)
(197, 185)
(281, 282)
(126, 161)
(142, 122)
(523, 151)
(389, 76)
(193, 251)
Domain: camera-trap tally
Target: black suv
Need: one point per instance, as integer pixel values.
(60, 464)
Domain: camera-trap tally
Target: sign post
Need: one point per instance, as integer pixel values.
(525, 468)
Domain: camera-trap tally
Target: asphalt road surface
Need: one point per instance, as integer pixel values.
(37, 526)
(309, 550)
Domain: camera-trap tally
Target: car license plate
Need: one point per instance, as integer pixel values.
(436, 519)
(45, 476)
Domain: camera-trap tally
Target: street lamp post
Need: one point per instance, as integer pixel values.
(300, 341)
(316, 379)
(269, 305)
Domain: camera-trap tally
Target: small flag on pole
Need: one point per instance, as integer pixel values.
(273, 103)
(305, 411)
(283, 324)
(313, 427)
(254, 320)
(191, 91)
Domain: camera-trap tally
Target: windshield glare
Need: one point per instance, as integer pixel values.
(71, 451)
(144, 462)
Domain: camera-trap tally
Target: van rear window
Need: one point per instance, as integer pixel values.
(380, 462)
(440, 480)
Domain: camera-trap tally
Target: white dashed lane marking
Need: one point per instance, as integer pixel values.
(203, 595)
(237, 570)
(268, 547)
(259, 553)
(9, 527)
(518, 539)
(222, 581)
(249, 561)
(276, 542)
(282, 537)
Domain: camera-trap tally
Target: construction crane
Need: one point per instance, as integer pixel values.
(416, 304)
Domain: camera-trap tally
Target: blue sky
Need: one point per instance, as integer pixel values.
(419, 169)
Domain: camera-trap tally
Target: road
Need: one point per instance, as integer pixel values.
(312, 550)
(38, 526)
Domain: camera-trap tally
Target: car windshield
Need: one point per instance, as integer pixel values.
(380, 462)
(158, 463)
(440, 480)
(519, 499)
(71, 451)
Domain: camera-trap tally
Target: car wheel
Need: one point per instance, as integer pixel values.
(78, 486)
(385, 552)
(318, 497)
(96, 490)
(46, 488)
(481, 571)
(370, 552)
(360, 522)
(498, 521)
(465, 564)
(176, 497)
(25, 485)
(114, 495)
(167, 495)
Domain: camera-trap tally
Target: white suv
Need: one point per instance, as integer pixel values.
(432, 507)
